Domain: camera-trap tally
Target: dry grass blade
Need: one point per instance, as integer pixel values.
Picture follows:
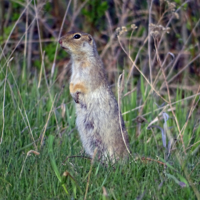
(120, 89)
(136, 58)
(45, 127)
(76, 13)
(27, 120)
(164, 107)
(181, 51)
(158, 117)
(193, 145)
(56, 52)
(19, 42)
(105, 194)
(11, 32)
(28, 154)
(178, 156)
(38, 27)
(194, 168)
(149, 159)
(169, 97)
(191, 111)
(42, 67)
(161, 39)
(88, 181)
(4, 95)
(182, 70)
(133, 62)
(149, 40)
(128, 93)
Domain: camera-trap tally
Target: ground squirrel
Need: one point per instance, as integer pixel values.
(96, 107)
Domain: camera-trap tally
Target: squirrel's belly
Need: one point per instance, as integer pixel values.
(86, 129)
(98, 127)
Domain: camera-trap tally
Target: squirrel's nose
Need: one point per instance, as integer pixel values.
(60, 41)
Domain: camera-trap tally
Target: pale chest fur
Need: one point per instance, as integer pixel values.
(77, 78)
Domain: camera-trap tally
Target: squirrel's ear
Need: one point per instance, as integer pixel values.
(90, 40)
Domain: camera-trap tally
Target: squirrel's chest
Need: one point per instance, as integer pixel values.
(80, 79)
(78, 83)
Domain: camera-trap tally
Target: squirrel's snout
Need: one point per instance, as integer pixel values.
(60, 41)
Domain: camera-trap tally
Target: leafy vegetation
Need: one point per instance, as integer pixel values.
(41, 156)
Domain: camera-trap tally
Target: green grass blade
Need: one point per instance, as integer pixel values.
(53, 163)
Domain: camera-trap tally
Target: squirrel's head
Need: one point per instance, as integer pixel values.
(78, 44)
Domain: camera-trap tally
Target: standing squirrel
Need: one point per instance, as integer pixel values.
(97, 111)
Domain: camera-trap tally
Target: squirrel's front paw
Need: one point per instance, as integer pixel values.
(76, 97)
(78, 91)
(79, 99)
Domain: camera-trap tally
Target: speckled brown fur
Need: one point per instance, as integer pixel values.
(96, 107)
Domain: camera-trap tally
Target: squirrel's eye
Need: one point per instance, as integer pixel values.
(77, 36)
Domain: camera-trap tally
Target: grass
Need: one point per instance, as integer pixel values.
(41, 156)
(40, 143)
